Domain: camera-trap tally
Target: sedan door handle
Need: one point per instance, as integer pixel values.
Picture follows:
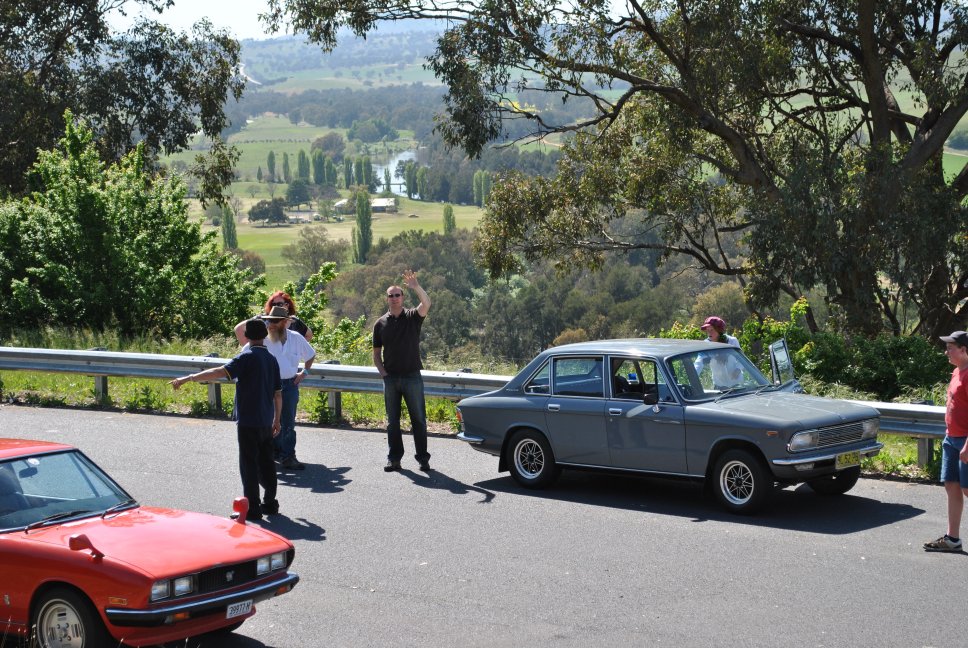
(553, 407)
(614, 411)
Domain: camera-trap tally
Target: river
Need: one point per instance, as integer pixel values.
(395, 183)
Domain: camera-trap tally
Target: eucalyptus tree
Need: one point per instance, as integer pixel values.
(149, 84)
(809, 132)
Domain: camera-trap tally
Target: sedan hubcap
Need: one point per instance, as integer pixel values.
(529, 458)
(736, 482)
(59, 626)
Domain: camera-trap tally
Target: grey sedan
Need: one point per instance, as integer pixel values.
(679, 408)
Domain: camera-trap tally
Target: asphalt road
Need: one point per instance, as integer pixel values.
(464, 557)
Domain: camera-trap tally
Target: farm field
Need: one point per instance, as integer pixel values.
(271, 132)
(268, 240)
(355, 78)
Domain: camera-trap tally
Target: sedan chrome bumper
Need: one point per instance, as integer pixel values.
(470, 439)
(161, 615)
(868, 451)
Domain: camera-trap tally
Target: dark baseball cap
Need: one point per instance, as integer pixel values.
(958, 337)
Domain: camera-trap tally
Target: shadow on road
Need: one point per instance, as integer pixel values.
(219, 640)
(293, 528)
(316, 477)
(794, 509)
(441, 481)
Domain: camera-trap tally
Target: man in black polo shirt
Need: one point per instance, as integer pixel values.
(396, 354)
(258, 408)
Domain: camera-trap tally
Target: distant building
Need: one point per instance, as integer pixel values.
(377, 205)
(387, 205)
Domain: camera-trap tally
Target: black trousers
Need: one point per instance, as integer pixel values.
(257, 466)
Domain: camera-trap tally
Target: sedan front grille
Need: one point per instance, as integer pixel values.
(840, 434)
(225, 576)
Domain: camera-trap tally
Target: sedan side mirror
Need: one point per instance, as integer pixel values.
(650, 398)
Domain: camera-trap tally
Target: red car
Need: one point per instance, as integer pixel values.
(82, 564)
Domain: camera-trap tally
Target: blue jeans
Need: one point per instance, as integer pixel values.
(952, 467)
(285, 444)
(410, 389)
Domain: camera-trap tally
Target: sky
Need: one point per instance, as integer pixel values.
(240, 17)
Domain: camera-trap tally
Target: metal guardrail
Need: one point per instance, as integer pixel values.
(333, 378)
(924, 422)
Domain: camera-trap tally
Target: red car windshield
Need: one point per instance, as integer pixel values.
(48, 488)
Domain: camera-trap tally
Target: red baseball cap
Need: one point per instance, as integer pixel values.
(715, 322)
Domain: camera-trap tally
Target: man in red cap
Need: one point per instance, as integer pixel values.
(954, 450)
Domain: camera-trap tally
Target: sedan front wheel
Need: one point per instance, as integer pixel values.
(743, 483)
(66, 619)
(532, 461)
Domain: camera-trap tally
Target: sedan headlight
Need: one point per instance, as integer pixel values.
(270, 563)
(871, 426)
(172, 587)
(805, 440)
(161, 590)
(278, 560)
(184, 585)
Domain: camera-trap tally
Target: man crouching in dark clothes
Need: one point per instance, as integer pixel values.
(258, 408)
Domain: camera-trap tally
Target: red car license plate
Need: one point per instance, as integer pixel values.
(238, 609)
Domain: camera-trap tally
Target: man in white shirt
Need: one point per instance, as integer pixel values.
(289, 349)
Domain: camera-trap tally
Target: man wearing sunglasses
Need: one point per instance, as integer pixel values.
(396, 354)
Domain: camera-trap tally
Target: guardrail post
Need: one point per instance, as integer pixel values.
(334, 399)
(100, 383)
(925, 451)
(101, 389)
(925, 445)
(214, 392)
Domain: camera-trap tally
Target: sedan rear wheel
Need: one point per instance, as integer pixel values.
(743, 483)
(66, 619)
(532, 462)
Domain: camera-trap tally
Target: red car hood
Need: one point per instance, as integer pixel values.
(160, 540)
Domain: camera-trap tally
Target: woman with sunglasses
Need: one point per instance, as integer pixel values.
(279, 298)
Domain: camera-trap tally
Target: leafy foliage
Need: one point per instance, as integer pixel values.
(450, 223)
(363, 232)
(775, 125)
(149, 84)
(102, 246)
(312, 249)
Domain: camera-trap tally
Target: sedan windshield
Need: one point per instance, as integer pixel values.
(44, 489)
(707, 375)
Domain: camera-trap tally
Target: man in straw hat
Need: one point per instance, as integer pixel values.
(289, 349)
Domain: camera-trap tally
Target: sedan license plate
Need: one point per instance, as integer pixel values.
(847, 459)
(238, 609)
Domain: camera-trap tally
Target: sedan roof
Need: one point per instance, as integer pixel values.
(661, 347)
(12, 448)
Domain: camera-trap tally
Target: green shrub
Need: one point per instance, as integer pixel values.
(144, 398)
(886, 366)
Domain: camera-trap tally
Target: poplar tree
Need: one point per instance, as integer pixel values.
(363, 232)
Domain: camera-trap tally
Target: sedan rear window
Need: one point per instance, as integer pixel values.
(579, 377)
